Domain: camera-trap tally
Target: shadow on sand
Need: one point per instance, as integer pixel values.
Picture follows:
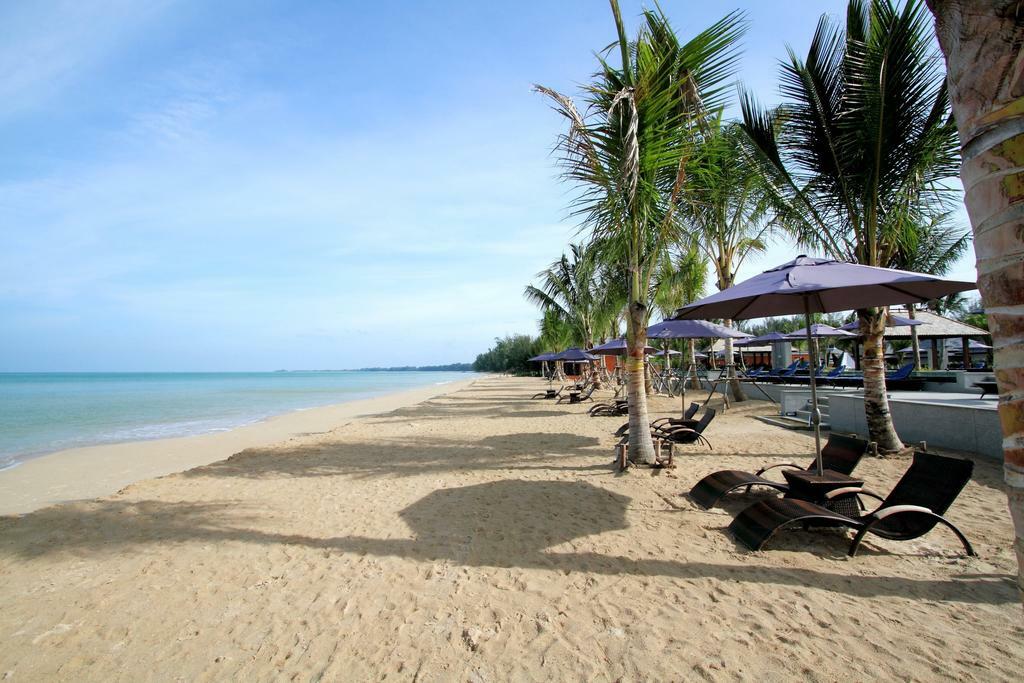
(508, 523)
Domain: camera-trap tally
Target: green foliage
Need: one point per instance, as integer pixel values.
(727, 205)
(555, 333)
(627, 154)
(951, 306)
(978, 319)
(509, 354)
(576, 292)
(680, 278)
(858, 155)
(975, 313)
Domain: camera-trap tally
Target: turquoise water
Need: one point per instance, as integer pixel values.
(45, 412)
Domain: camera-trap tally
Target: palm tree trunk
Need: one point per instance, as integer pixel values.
(915, 343)
(876, 398)
(734, 382)
(595, 368)
(981, 41)
(641, 449)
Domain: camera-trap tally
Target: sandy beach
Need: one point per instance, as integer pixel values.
(478, 535)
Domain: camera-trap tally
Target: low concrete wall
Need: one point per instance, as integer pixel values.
(952, 421)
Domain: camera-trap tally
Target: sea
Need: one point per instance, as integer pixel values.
(45, 412)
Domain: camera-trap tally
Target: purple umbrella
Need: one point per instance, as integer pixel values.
(544, 359)
(615, 347)
(890, 321)
(770, 338)
(692, 329)
(819, 330)
(814, 285)
(574, 355)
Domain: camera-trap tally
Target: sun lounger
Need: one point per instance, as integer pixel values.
(788, 373)
(901, 379)
(841, 454)
(913, 508)
(897, 379)
(551, 393)
(685, 421)
(579, 395)
(665, 439)
(683, 435)
(987, 387)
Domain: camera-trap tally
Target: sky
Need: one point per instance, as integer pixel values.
(261, 185)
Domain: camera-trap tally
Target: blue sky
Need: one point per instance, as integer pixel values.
(261, 185)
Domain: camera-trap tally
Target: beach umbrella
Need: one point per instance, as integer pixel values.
(890, 321)
(616, 347)
(692, 329)
(543, 359)
(770, 338)
(574, 355)
(815, 285)
(818, 331)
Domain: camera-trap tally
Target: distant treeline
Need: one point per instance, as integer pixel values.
(451, 367)
(510, 354)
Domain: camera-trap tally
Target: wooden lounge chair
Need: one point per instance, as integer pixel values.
(578, 394)
(618, 406)
(685, 421)
(551, 393)
(841, 454)
(671, 436)
(682, 435)
(913, 508)
(665, 439)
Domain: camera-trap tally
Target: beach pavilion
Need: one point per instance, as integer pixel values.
(934, 329)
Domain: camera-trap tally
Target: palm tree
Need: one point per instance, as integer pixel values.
(857, 156)
(628, 155)
(727, 210)
(952, 305)
(555, 333)
(569, 290)
(981, 41)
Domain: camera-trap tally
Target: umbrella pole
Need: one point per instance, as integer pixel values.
(815, 413)
(682, 391)
(668, 369)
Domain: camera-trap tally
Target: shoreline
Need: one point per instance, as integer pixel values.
(94, 471)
